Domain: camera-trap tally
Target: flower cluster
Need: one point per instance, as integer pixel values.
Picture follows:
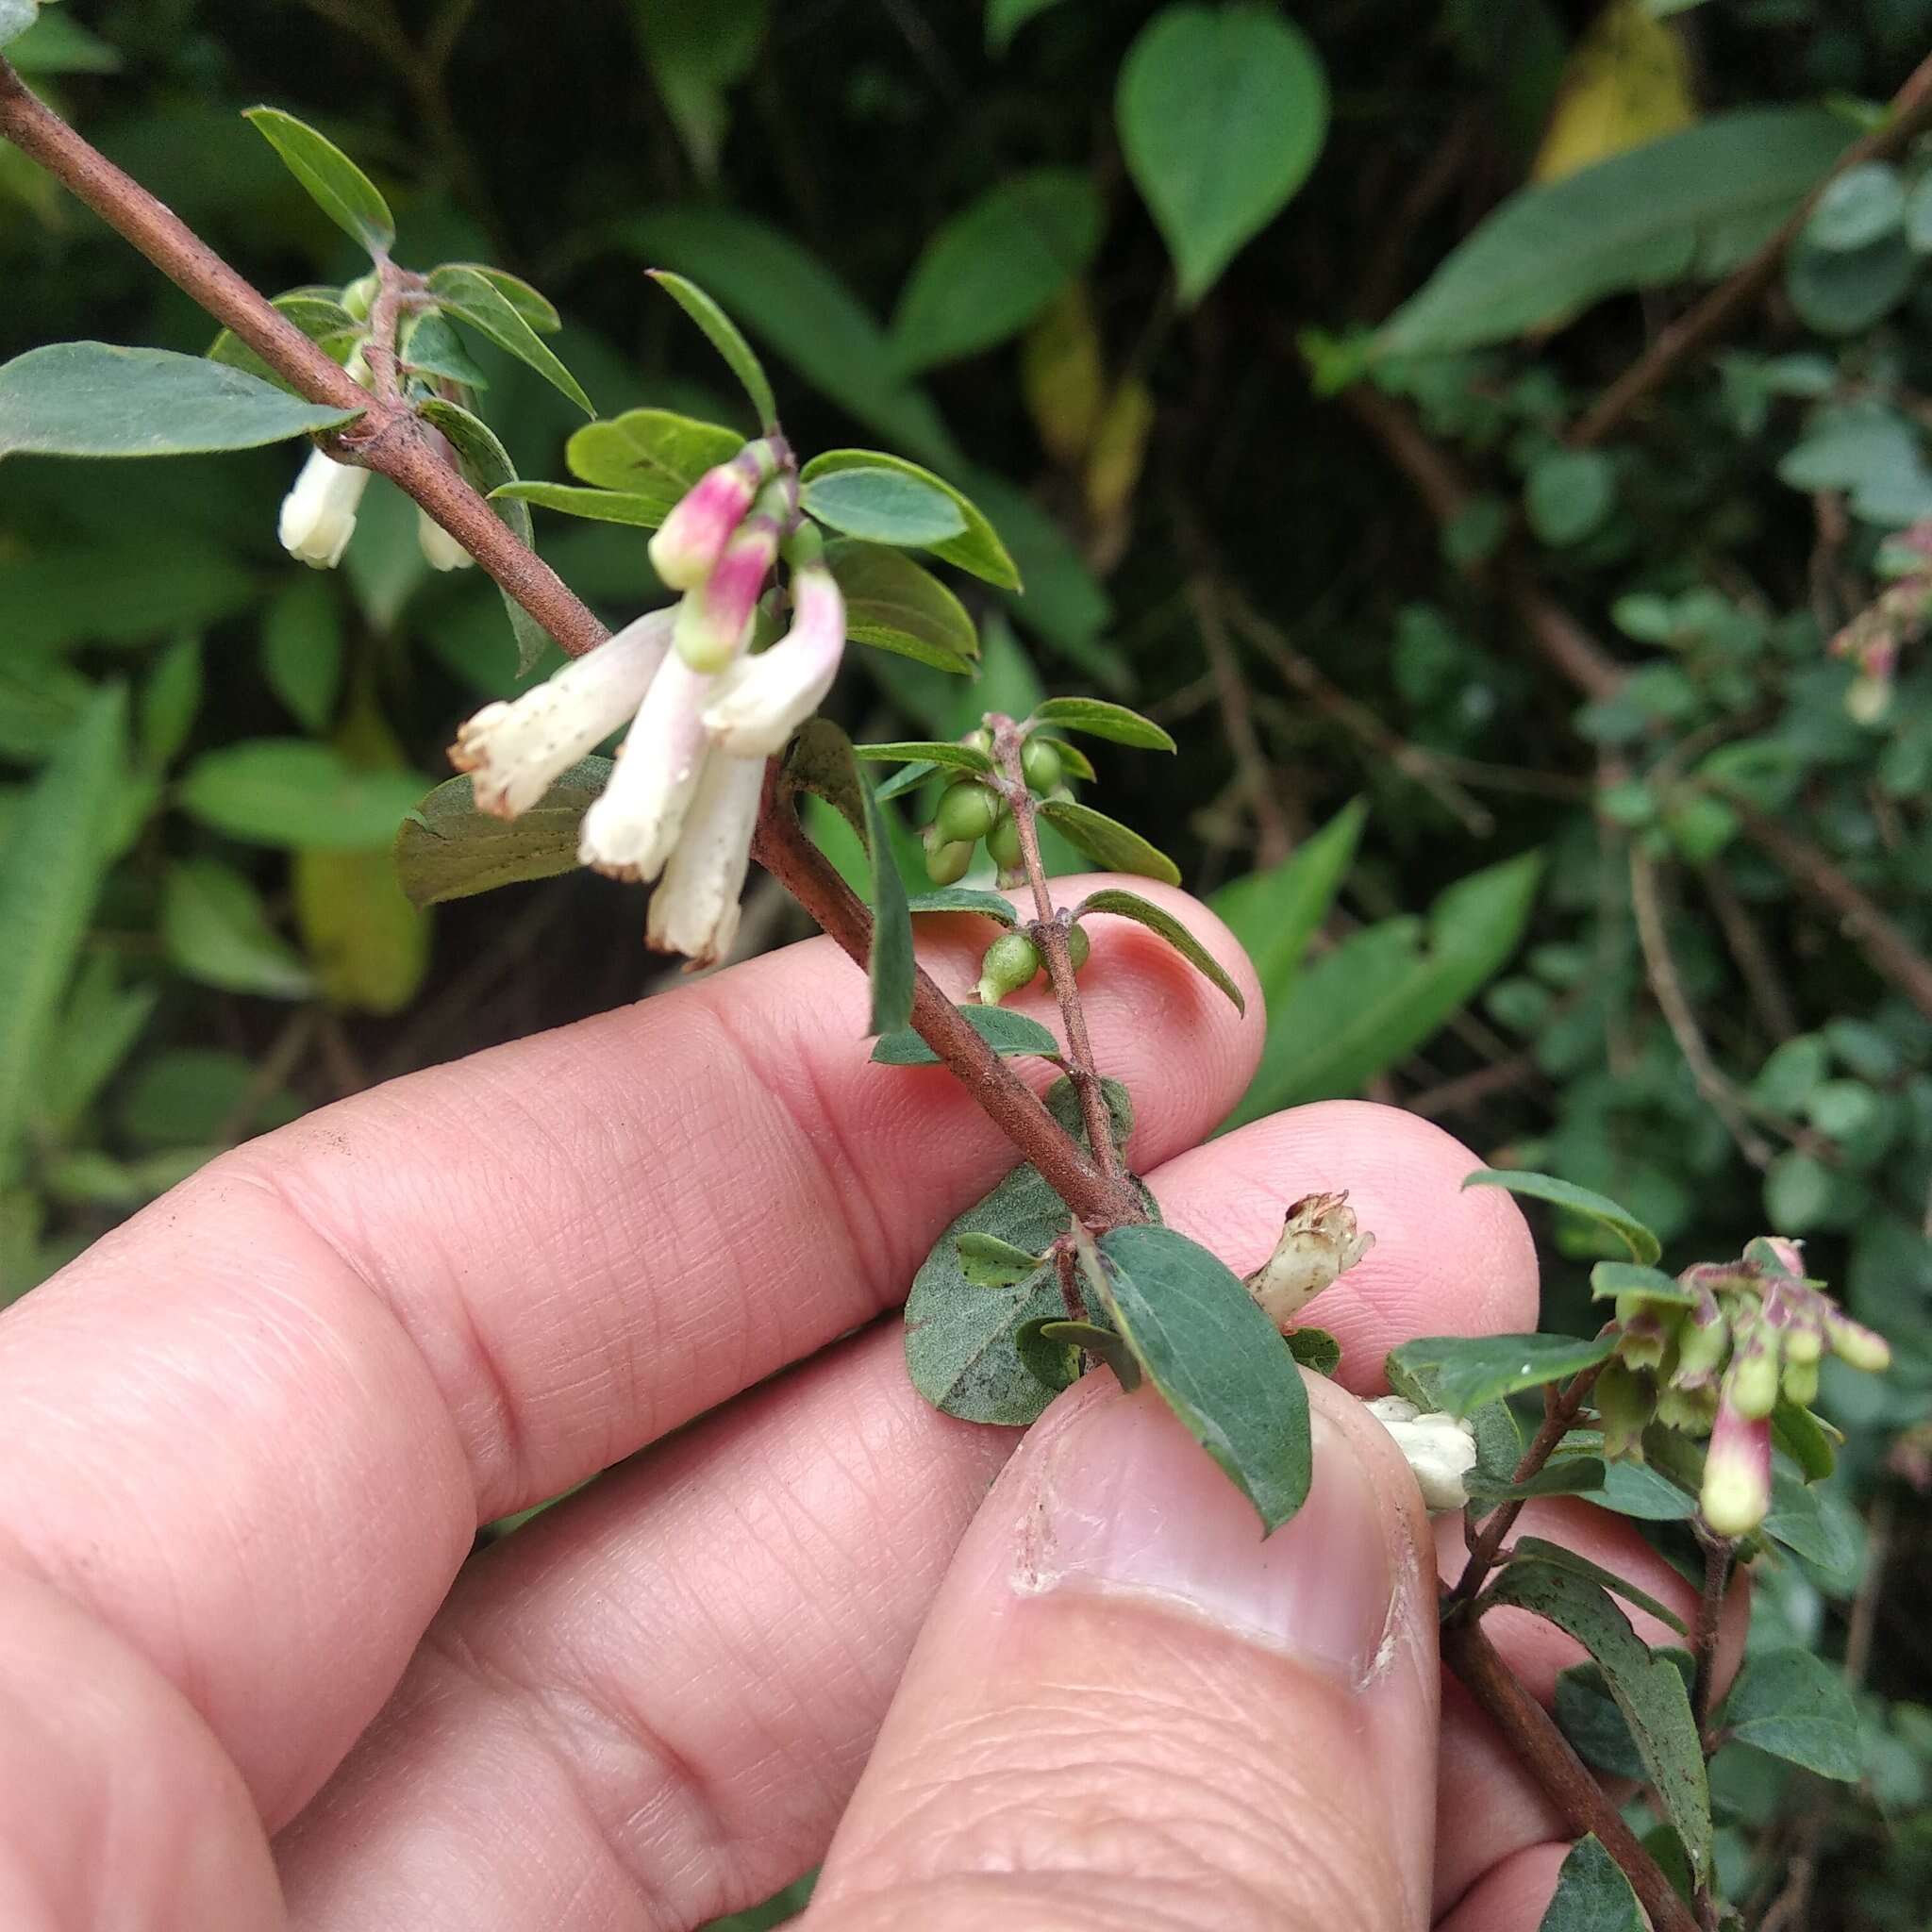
(704, 710)
(1715, 1355)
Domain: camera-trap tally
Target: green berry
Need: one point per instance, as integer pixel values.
(1079, 947)
(968, 813)
(1801, 1383)
(948, 861)
(1041, 763)
(1003, 843)
(1012, 961)
(979, 739)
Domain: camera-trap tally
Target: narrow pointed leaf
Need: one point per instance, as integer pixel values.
(1536, 1549)
(724, 335)
(1006, 1032)
(336, 185)
(1156, 918)
(597, 506)
(473, 298)
(965, 899)
(1467, 1372)
(1097, 718)
(1108, 842)
(534, 305)
(1643, 1245)
(895, 605)
(958, 758)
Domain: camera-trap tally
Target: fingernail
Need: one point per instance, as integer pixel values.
(1125, 1500)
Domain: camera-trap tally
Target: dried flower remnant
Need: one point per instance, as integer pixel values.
(1319, 1241)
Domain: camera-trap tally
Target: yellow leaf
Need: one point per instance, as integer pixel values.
(369, 946)
(1062, 375)
(1628, 81)
(1120, 446)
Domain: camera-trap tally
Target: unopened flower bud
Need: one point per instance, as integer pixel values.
(966, 811)
(1011, 962)
(1804, 1343)
(1439, 1449)
(1625, 1404)
(1040, 763)
(1079, 947)
(515, 752)
(1690, 1411)
(1319, 1240)
(1800, 1383)
(1751, 1384)
(688, 545)
(946, 863)
(714, 620)
(441, 551)
(762, 701)
(1646, 1336)
(1737, 1473)
(1702, 1341)
(1003, 843)
(359, 297)
(1856, 1345)
(319, 513)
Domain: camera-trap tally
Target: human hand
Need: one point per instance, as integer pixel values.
(246, 1440)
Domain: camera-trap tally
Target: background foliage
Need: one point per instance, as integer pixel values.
(1527, 771)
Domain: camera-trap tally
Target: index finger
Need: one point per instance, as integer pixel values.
(255, 1429)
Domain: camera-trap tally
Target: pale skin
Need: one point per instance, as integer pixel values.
(250, 1680)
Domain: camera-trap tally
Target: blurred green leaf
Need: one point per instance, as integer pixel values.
(1222, 111)
(302, 650)
(215, 929)
(291, 792)
(1275, 913)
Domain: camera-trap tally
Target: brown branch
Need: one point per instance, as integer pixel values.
(1050, 935)
(1532, 1734)
(1706, 1630)
(1559, 1411)
(1753, 956)
(387, 437)
(782, 848)
(1471, 1090)
(1273, 839)
(1911, 111)
(1812, 869)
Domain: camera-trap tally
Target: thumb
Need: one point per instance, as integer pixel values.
(1128, 1711)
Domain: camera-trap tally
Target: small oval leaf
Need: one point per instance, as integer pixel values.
(964, 899)
(1643, 1245)
(1097, 718)
(336, 185)
(1108, 842)
(978, 549)
(881, 506)
(895, 605)
(1124, 904)
(448, 849)
(654, 454)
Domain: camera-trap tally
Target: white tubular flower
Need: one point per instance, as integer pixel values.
(515, 752)
(762, 701)
(319, 513)
(695, 909)
(1439, 1449)
(438, 547)
(714, 620)
(632, 828)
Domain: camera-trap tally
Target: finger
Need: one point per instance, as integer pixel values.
(1513, 1895)
(1492, 1808)
(698, 1649)
(1126, 1704)
(255, 1428)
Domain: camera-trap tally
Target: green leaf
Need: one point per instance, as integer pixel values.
(595, 506)
(302, 650)
(336, 185)
(820, 761)
(1647, 1688)
(698, 50)
(960, 1345)
(1536, 1549)
(487, 465)
(1005, 1032)
(989, 1262)
(1131, 906)
(96, 1030)
(1693, 204)
(895, 605)
(41, 697)
(1004, 18)
(215, 929)
(1275, 913)
(475, 299)
(448, 849)
(650, 454)
(1609, 1279)
(55, 43)
(1413, 1372)
(91, 399)
(1221, 112)
(1107, 842)
(977, 549)
(169, 703)
(291, 792)
(1568, 494)
(434, 348)
(320, 317)
(724, 335)
(1315, 1349)
(1215, 1358)
(1643, 1245)
(1589, 1716)
(1098, 719)
(990, 270)
(1470, 1371)
(1817, 1525)
(124, 592)
(1574, 1475)
(1592, 1894)
(964, 899)
(798, 307)
(186, 1096)
(1845, 294)
(1863, 205)
(1384, 990)
(882, 506)
(534, 305)
(1811, 1443)
(52, 863)
(930, 752)
(1797, 1708)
